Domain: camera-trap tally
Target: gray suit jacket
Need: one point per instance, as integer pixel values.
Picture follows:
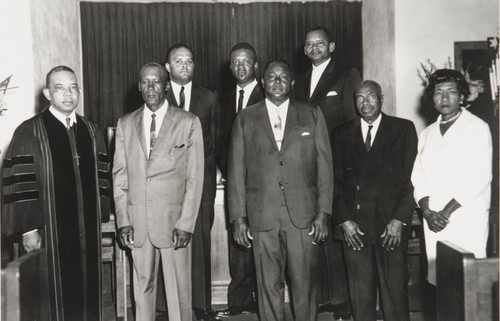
(158, 194)
(259, 174)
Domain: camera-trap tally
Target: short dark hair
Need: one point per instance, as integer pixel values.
(325, 31)
(448, 75)
(244, 46)
(57, 69)
(177, 46)
(281, 61)
(377, 86)
(164, 72)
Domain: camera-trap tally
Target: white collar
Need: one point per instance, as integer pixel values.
(248, 88)
(322, 66)
(62, 117)
(177, 87)
(160, 112)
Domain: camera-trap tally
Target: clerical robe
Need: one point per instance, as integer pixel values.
(60, 186)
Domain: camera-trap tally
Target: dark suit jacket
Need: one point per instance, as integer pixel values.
(373, 188)
(205, 105)
(228, 113)
(334, 93)
(259, 174)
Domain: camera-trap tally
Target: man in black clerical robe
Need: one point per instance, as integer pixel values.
(55, 191)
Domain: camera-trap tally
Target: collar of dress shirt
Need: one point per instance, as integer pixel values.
(160, 114)
(248, 91)
(187, 92)
(375, 124)
(322, 66)
(273, 110)
(62, 117)
(316, 73)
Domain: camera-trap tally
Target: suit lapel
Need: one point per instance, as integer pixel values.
(166, 125)
(291, 122)
(140, 130)
(326, 80)
(195, 100)
(263, 119)
(171, 98)
(255, 96)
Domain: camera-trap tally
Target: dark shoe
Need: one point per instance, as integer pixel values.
(342, 311)
(232, 311)
(327, 307)
(337, 315)
(206, 314)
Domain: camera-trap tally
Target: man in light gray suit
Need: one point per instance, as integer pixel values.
(158, 181)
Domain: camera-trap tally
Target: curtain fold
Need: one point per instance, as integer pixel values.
(118, 38)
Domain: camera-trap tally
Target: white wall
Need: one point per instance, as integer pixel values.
(427, 29)
(16, 59)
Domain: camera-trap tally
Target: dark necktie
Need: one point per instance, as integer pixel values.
(240, 100)
(152, 133)
(368, 141)
(182, 99)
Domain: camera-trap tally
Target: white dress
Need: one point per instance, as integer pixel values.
(457, 165)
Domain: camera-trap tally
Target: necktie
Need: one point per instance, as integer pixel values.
(152, 132)
(278, 132)
(72, 140)
(368, 141)
(182, 99)
(240, 100)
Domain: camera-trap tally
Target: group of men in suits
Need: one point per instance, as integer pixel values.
(273, 143)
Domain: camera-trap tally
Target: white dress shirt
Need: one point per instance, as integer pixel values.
(62, 117)
(248, 91)
(146, 122)
(273, 111)
(316, 73)
(187, 93)
(364, 128)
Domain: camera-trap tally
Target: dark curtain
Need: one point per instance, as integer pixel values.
(118, 38)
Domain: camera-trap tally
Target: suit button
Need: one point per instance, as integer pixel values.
(358, 207)
(282, 163)
(357, 188)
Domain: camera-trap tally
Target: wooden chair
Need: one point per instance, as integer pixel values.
(467, 288)
(25, 288)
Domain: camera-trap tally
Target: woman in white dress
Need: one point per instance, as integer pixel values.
(453, 171)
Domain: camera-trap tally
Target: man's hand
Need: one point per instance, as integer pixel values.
(32, 241)
(126, 235)
(241, 232)
(392, 234)
(319, 228)
(351, 231)
(180, 238)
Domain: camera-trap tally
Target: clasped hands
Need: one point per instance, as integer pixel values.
(179, 237)
(319, 230)
(391, 237)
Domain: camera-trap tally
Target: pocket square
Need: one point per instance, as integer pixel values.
(332, 93)
(305, 134)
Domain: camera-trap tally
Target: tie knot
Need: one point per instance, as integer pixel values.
(242, 91)
(153, 116)
(68, 122)
(370, 127)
